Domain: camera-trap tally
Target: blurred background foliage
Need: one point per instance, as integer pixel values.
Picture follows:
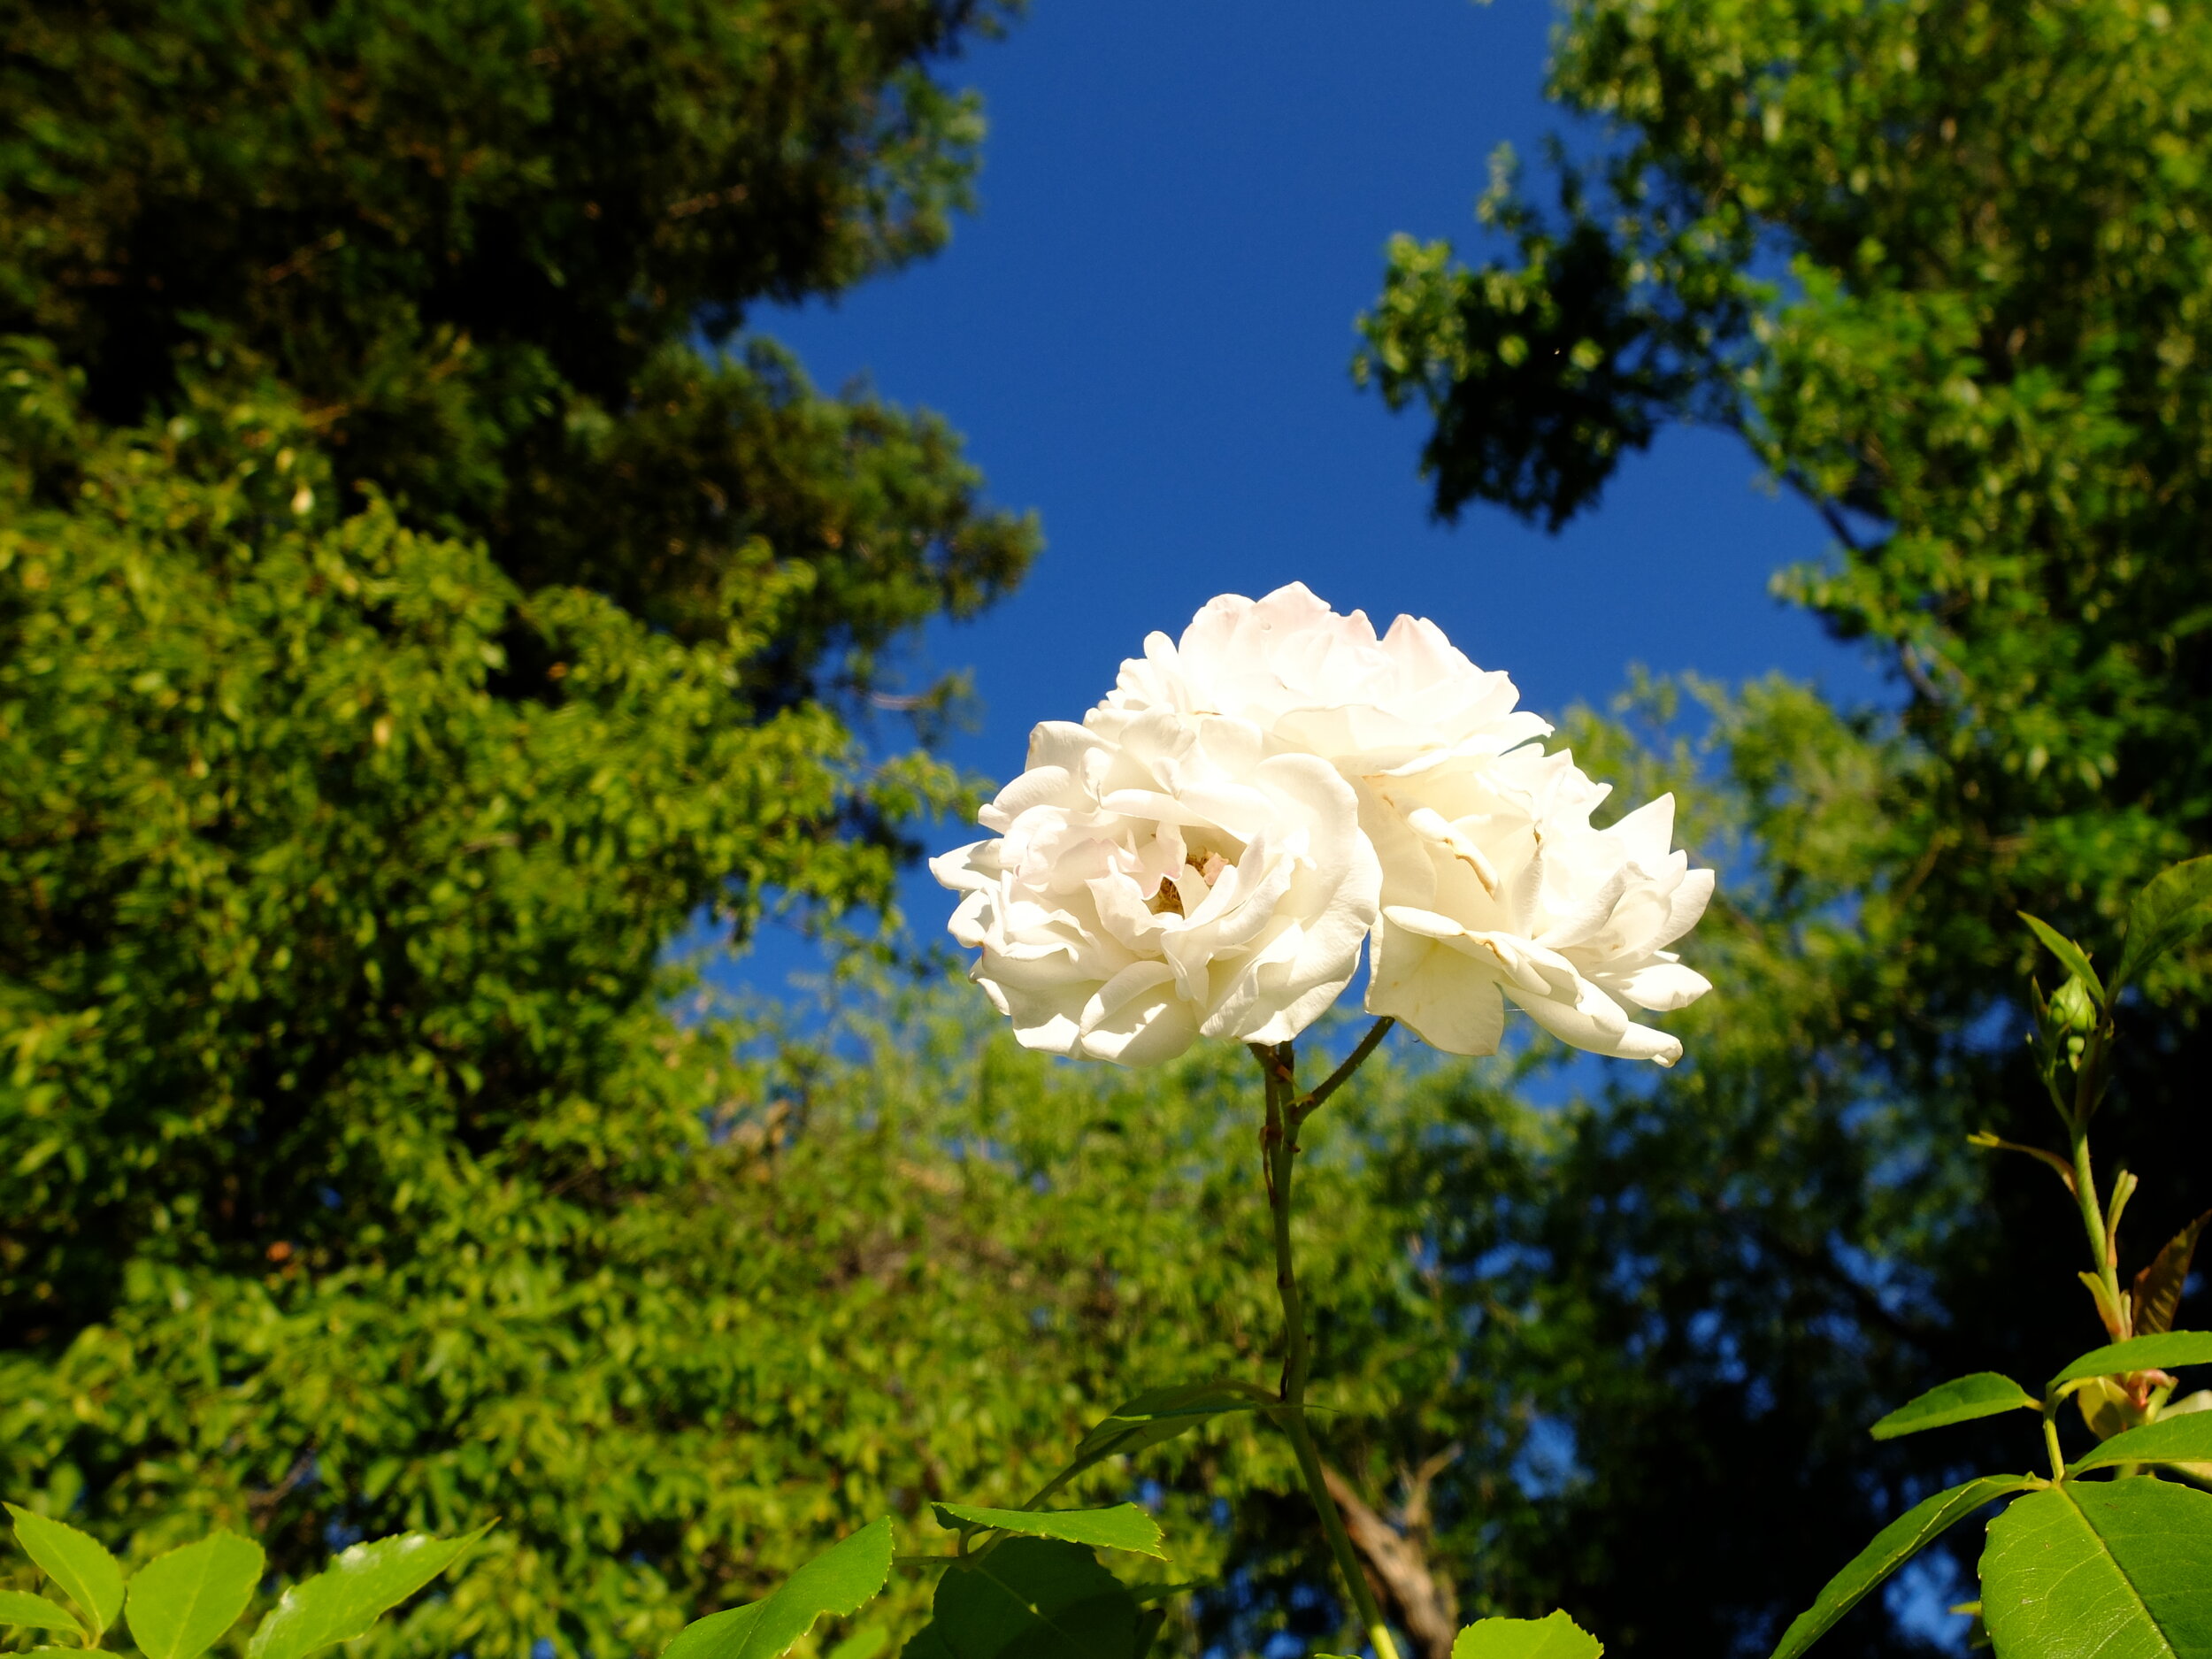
(423, 602)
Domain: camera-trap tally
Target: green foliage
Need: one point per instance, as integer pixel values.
(1942, 268)
(2120, 1563)
(478, 240)
(1555, 1636)
(2160, 1351)
(1892, 1547)
(1983, 1395)
(80, 1566)
(1030, 1595)
(1125, 1526)
(181, 1603)
(2186, 1438)
(841, 1579)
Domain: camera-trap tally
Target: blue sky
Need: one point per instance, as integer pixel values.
(1145, 333)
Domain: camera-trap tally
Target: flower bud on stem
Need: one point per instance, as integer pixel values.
(1287, 1113)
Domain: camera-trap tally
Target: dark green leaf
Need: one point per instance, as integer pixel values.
(2158, 1287)
(1034, 1596)
(360, 1587)
(2122, 1569)
(2186, 1438)
(2172, 905)
(1555, 1636)
(1159, 1415)
(2162, 1352)
(79, 1564)
(1125, 1526)
(841, 1579)
(2071, 955)
(1983, 1395)
(1152, 1416)
(181, 1603)
(1892, 1547)
(35, 1612)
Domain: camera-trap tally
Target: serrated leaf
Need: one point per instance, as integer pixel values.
(1984, 1395)
(78, 1564)
(2172, 905)
(1555, 1636)
(841, 1581)
(1892, 1547)
(181, 1603)
(2162, 1352)
(35, 1612)
(2071, 955)
(1030, 1596)
(1124, 1526)
(2117, 1568)
(2158, 1287)
(362, 1584)
(2186, 1438)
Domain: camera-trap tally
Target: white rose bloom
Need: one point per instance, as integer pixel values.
(1165, 879)
(1323, 683)
(1495, 884)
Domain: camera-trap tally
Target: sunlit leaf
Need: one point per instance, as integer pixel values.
(1983, 1395)
(1892, 1547)
(1125, 1526)
(2071, 955)
(2158, 1287)
(841, 1581)
(2162, 1352)
(2186, 1438)
(1555, 1636)
(35, 1612)
(1029, 1596)
(181, 1603)
(78, 1564)
(2174, 904)
(2122, 1569)
(358, 1588)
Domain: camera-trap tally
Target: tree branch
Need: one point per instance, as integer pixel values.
(1398, 1569)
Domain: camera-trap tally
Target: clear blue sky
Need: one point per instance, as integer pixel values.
(1145, 330)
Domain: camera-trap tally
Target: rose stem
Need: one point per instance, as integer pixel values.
(1287, 1112)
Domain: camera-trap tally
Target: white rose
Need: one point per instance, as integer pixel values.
(1323, 683)
(1495, 883)
(1169, 880)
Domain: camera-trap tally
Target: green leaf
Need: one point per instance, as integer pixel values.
(1892, 1547)
(1159, 1415)
(2172, 905)
(360, 1587)
(79, 1564)
(2186, 1438)
(181, 1603)
(2158, 1287)
(1984, 1395)
(1155, 1416)
(21, 1607)
(1125, 1526)
(2071, 955)
(2162, 1352)
(2120, 1567)
(1030, 1596)
(1555, 1636)
(842, 1579)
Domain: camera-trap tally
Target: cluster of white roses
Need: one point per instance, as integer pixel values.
(1206, 853)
